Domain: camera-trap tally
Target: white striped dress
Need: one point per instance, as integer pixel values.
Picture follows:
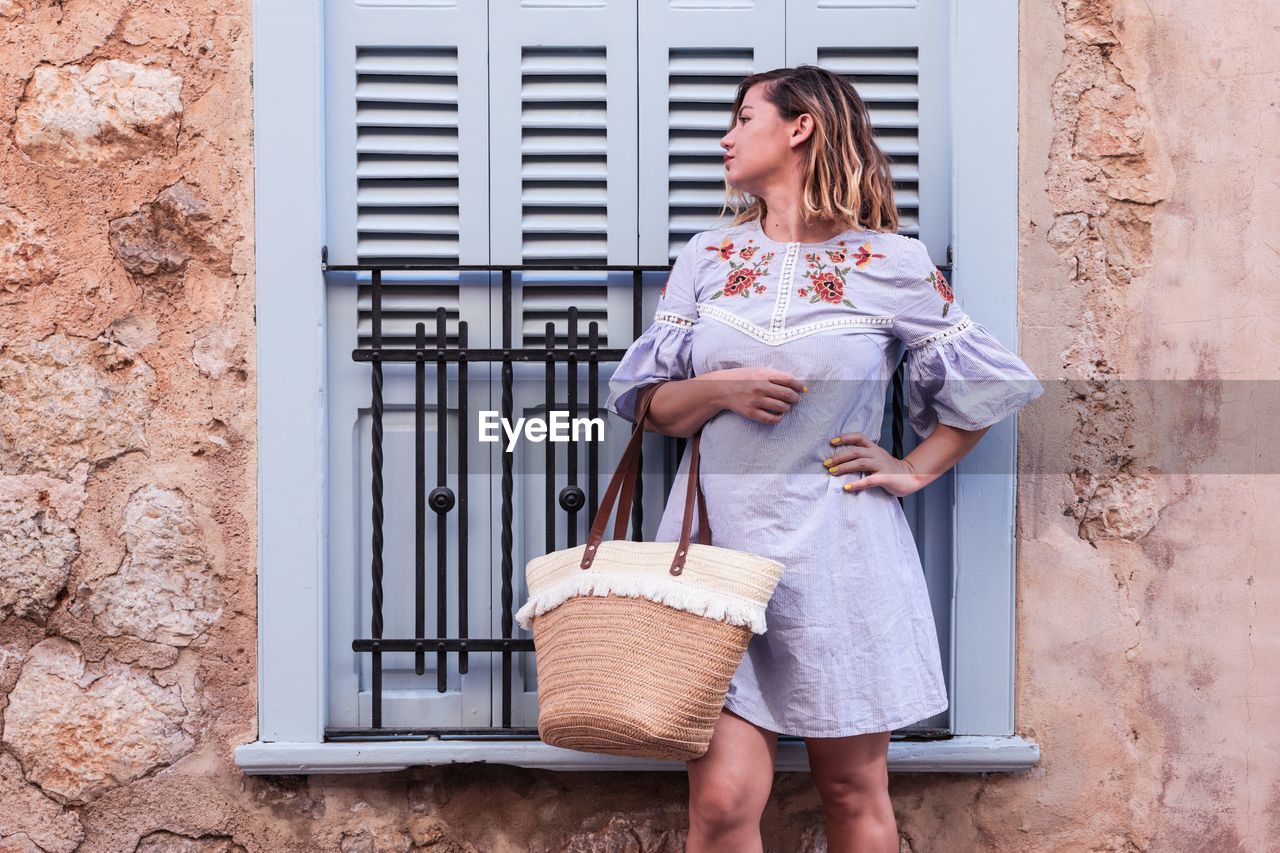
(850, 645)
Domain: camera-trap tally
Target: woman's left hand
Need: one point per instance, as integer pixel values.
(858, 453)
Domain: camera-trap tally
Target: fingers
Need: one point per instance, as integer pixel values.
(852, 438)
(866, 482)
(849, 466)
(775, 404)
(856, 453)
(855, 465)
(777, 377)
(770, 394)
(764, 416)
(770, 412)
(791, 383)
(776, 398)
(777, 391)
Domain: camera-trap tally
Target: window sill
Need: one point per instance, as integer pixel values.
(961, 754)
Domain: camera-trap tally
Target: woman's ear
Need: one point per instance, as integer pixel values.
(802, 130)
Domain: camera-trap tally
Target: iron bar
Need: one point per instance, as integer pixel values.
(508, 407)
(442, 498)
(376, 464)
(419, 492)
(464, 437)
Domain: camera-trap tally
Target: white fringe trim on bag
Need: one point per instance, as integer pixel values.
(671, 593)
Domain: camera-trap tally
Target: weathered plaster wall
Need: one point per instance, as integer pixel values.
(1147, 666)
(1147, 661)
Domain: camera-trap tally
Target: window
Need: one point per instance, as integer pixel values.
(550, 139)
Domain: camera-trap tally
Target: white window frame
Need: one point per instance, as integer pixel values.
(289, 168)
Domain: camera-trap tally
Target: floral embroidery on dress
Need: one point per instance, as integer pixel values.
(743, 278)
(827, 285)
(940, 284)
(863, 256)
(724, 250)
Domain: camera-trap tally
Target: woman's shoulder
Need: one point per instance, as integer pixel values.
(716, 243)
(890, 242)
(707, 250)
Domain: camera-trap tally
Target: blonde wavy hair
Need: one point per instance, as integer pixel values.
(845, 176)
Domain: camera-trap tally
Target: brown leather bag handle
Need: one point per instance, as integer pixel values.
(627, 494)
(623, 483)
(625, 497)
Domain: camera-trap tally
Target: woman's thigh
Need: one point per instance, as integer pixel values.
(735, 775)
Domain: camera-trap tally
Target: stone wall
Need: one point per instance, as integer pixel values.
(127, 479)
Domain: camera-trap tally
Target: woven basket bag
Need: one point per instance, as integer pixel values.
(635, 643)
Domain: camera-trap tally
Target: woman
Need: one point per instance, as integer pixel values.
(776, 337)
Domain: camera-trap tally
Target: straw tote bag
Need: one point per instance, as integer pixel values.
(635, 643)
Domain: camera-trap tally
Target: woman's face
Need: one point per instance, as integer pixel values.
(761, 147)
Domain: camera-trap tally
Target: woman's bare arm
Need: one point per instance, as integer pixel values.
(930, 459)
(763, 394)
(680, 408)
(938, 453)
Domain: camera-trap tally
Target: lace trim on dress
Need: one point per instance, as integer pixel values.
(783, 301)
(782, 336)
(959, 328)
(672, 319)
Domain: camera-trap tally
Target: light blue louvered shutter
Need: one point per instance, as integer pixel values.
(692, 56)
(562, 144)
(563, 163)
(406, 132)
(406, 182)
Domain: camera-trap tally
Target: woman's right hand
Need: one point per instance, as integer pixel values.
(761, 394)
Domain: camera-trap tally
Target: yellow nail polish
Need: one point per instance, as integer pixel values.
(804, 388)
(835, 440)
(828, 462)
(848, 487)
(832, 471)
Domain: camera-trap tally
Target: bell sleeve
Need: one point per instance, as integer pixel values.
(958, 374)
(663, 351)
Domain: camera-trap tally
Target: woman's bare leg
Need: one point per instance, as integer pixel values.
(729, 787)
(852, 775)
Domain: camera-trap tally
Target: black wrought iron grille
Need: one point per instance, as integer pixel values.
(581, 350)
